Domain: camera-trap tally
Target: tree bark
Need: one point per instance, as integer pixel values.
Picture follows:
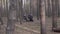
(20, 11)
(38, 10)
(11, 17)
(42, 17)
(49, 9)
(54, 15)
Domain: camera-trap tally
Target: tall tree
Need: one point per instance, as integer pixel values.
(38, 10)
(42, 16)
(11, 17)
(49, 8)
(59, 8)
(20, 11)
(54, 15)
(1, 10)
(58, 12)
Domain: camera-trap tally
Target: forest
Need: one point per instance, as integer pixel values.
(29, 16)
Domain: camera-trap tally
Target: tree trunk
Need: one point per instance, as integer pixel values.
(11, 17)
(54, 14)
(42, 17)
(38, 10)
(20, 11)
(49, 9)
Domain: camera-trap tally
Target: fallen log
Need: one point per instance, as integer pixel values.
(56, 29)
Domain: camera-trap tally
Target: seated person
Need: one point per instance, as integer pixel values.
(30, 17)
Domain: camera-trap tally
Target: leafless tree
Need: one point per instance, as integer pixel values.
(1, 11)
(42, 17)
(49, 8)
(11, 17)
(38, 10)
(54, 15)
(20, 11)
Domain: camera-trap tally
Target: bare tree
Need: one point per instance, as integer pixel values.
(1, 11)
(42, 17)
(11, 17)
(54, 15)
(38, 10)
(57, 7)
(49, 8)
(20, 11)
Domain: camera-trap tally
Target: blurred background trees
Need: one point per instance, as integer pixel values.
(32, 6)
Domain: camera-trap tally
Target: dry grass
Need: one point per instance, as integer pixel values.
(34, 26)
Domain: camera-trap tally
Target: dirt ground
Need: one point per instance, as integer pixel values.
(30, 27)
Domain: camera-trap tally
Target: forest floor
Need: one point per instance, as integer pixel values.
(30, 27)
